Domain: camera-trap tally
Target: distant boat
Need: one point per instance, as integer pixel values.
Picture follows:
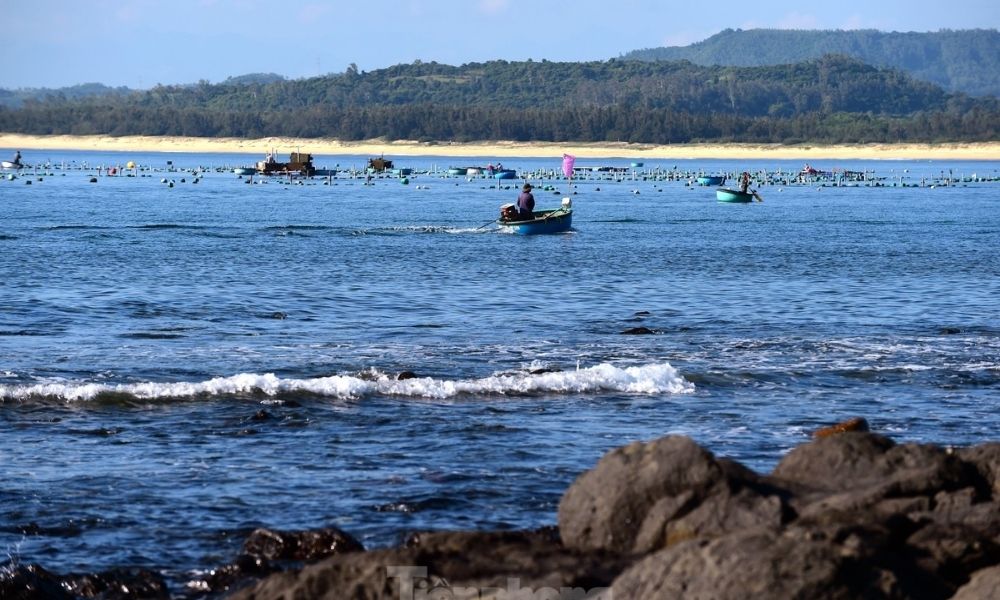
(245, 170)
(6, 164)
(458, 171)
(379, 165)
(728, 195)
(556, 220)
(298, 162)
(505, 174)
(711, 179)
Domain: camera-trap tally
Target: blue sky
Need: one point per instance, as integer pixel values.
(141, 43)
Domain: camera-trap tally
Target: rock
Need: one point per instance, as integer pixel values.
(855, 424)
(448, 565)
(986, 459)
(749, 564)
(638, 331)
(834, 463)
(300, 545)
(642, 497)
(406, 375)
(118, 584)
(871, 464)
(953, 550)
(243, 571)
(32, 582)
(984, 583)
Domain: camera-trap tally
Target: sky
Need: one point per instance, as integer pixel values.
(143, 43)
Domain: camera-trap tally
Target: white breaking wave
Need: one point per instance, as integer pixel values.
(658, 378)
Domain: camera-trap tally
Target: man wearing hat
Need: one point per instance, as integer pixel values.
(525, 203)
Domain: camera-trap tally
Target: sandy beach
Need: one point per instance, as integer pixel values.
(949, 151)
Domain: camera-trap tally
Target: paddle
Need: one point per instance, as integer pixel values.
(756, 195)
(486, 224)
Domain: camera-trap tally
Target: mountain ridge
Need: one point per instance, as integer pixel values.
(966, 60)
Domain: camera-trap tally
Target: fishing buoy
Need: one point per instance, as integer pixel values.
(405, 181)
(93, 180)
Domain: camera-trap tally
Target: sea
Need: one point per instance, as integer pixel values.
(187, 355)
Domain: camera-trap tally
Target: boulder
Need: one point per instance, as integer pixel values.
(855, 424)
(32, 582)
(637, 497)
(448, 565)
(986, 459)
(750, 564)
(874, 465)
(300, 545)
(984, 583)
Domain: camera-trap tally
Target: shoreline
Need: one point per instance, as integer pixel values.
(506, 149)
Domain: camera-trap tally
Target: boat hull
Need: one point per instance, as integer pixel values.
(245, 171)
(10, 165)
(711, 180)
(505, 174)
(553, 221)
(733, 196)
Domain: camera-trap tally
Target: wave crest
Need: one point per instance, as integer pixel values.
(659, 378)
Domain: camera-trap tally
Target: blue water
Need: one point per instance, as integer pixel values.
(180, 365)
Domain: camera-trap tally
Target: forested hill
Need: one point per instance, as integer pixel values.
(960, 61)
(831, 99)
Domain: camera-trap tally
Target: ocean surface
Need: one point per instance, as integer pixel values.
(185, 357)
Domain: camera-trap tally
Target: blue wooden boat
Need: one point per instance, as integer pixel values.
(728, 195)
(458, 171)
(711, 179)
(245, 171)
(505, 174)
(556, 220)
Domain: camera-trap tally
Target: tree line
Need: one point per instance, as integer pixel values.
(833, 99)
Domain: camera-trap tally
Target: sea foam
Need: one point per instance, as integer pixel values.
(658, 378)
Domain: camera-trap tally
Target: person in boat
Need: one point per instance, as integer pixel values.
(17, 157)
(744, 182)
(525, 204)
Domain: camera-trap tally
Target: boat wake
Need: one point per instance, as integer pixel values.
(659, 378)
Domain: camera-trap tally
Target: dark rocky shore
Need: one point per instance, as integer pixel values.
(848, 515)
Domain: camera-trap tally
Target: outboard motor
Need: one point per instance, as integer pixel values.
(508, 212)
